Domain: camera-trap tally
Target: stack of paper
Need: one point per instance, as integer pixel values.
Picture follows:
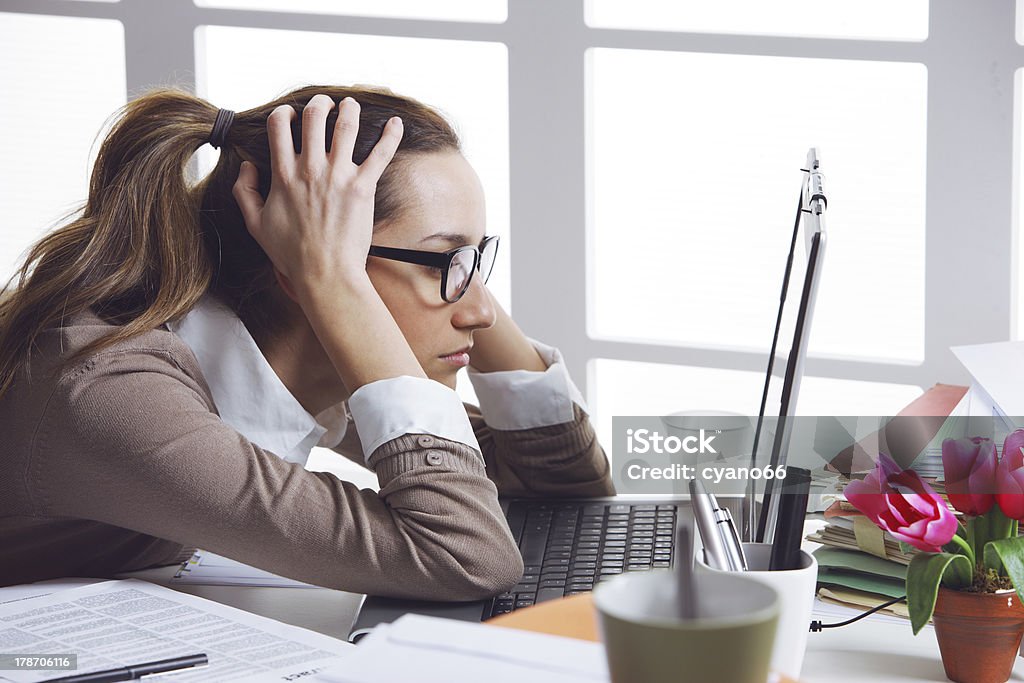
(433, 650)
(208, 569)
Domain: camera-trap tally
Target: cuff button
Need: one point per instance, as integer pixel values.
(425, 441)
(434, 458)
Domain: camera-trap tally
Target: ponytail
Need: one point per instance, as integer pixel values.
(135, 255)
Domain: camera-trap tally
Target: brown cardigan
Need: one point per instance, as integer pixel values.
(121, 462)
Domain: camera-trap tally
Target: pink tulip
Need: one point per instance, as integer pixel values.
(1010, 477)
(970, 467)
(901, 503)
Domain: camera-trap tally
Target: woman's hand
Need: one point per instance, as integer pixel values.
(503, 346)
(317, 220)
(316, 226)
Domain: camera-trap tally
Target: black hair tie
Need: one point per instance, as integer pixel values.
(221, 125)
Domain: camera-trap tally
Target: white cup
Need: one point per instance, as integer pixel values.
(796, 588)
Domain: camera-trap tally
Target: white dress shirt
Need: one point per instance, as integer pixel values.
(252, 399)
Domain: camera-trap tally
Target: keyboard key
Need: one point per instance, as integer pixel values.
(556, 563)
(613, 556)
(618, 518)
(588, 545)
(667, 507)
(551, 583)
(614, 544)
(661, 563)
(609, 571)
(617, 509)
(645, 508)
(524, 603)
(583, 565)
(574, 588)
(644, 515)
(581, 573)
(545, 594)
(593, 510)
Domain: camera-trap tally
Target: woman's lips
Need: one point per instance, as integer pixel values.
(459, 359)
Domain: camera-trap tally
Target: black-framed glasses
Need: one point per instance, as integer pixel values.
(457, 266)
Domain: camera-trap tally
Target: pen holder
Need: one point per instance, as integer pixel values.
(796, 588)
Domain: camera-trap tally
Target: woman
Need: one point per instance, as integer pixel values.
(164, 356)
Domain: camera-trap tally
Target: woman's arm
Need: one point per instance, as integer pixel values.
(130, 440)
(534, 435)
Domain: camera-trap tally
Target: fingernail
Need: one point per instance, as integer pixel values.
(396, 120)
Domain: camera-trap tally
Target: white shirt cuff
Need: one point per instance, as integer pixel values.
(524, 399)
(390, 408)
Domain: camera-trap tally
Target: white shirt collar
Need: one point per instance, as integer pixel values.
(247, 392)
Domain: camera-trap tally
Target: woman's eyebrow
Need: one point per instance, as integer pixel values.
(456, 239)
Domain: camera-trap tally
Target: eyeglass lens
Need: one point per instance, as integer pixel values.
(460, 272)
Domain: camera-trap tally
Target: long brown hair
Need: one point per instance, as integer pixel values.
(148, 244)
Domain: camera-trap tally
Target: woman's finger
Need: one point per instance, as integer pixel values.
(384, 151)
(346, 128)
(279, 136)
(246, 191)
(314, 131)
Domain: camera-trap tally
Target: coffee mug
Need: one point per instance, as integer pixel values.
(730, 641)
(796, 589)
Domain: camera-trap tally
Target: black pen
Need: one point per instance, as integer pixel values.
(136, 671)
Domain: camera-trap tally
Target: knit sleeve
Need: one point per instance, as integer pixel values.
(561, 460)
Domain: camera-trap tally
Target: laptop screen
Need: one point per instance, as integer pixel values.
(789, 347)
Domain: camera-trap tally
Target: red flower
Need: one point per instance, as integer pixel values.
(970, 468)
(899, 502)
(1010, 477)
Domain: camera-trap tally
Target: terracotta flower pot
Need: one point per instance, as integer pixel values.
(978, 634)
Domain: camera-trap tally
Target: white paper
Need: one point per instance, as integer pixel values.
(40, 588)
(432, 650)
(999, 370)
(118, 623)
(209, 569)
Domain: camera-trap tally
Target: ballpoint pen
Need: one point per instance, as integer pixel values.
(731, 539)
(715, 553)
(136, 671)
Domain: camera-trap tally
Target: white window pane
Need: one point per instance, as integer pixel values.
(492, 11)
(240, 68)
(1018, 161)
(622, 388)
(70, 77)
(694, 176)
(867, 19)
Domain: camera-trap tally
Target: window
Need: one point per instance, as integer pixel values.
(70, 77)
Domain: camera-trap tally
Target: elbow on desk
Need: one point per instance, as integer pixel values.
(488, 568)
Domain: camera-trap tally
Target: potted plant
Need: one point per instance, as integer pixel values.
(969, 576)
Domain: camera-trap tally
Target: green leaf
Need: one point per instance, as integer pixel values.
(925, 573)
(1010, 553)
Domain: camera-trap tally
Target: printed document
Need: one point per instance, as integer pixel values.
(118, 623)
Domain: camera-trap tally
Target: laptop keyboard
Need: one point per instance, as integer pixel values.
(568, 548)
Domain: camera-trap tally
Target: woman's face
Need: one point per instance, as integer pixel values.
(443, 209)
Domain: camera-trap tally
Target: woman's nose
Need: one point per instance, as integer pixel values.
(475, 310)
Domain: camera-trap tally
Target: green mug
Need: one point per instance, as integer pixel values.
(646, 640)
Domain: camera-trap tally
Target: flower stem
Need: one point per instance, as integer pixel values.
(966, 548)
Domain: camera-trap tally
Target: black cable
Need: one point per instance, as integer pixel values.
(817, 626)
